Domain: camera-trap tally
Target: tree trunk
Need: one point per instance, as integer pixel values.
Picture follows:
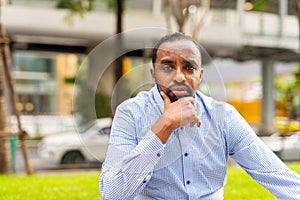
(297, 2)
(7, 65)
(5, 156)
(118, 62)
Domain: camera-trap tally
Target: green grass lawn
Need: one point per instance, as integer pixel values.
(85, 186)
(50, 187)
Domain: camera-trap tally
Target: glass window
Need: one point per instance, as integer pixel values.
(35, 82)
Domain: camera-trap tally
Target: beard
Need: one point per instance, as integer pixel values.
(169, 91)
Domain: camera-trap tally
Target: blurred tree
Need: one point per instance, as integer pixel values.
(261, 5)
(297, 2)
(6, 68)
(102, 105)
(81, 7)
(76, 7)
(288, 90)
(184, 10)
(5, 158)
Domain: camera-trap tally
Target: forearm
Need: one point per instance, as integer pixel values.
(269, 171)
(128, 177)
(163, 129)
(283, 184)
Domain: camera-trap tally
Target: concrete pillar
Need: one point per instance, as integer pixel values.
(240, 7)
(283, 10)
(268, 98)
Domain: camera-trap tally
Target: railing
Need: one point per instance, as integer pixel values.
(256, 23)
(270, 24)
(249, 23)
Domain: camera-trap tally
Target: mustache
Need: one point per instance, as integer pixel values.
(181, 85)
(174, 86)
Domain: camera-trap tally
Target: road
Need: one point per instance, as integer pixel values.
(41, 167)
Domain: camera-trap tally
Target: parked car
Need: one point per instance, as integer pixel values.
(73, 147)
(287, 148)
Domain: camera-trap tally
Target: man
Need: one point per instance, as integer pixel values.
(173, 142)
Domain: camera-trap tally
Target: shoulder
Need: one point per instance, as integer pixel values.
(214, 106)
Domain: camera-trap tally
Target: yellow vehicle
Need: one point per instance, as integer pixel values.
(284, 124)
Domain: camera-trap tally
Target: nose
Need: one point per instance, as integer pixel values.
(179, 76)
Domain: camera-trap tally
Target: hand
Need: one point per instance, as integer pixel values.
(175, 115)
(180, 112)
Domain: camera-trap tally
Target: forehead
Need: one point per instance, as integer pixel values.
(181, 48)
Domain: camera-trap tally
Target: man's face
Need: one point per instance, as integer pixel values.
(177, 69)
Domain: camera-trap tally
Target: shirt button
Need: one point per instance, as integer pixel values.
(158, 154)
(186, 154)
(188, 182)
(144, 181)
(181, 128)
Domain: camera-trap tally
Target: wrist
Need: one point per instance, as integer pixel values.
(163, 128)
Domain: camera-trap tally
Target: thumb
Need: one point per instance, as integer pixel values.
(165, 97)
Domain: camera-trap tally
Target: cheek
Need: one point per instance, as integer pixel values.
(163, 79)
(193, 81)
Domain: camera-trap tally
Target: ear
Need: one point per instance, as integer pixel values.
(201, 73)
(152, 71)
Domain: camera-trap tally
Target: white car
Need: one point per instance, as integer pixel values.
(287, 148)
(73, 148)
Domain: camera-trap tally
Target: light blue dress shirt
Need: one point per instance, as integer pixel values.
(193, 162)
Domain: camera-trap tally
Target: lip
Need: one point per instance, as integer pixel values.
(179, 93)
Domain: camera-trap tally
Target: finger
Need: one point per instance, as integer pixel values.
(192, 124)
(188, 99)
(166, 98)
(198, 123)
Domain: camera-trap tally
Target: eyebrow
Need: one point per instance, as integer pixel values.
(166, 61)
(193, 62)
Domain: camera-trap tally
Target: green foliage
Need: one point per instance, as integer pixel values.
(260, 5)
(102, 105)
(111, 4)
(69, 80)
(78, 6)
(82, 106)
(288, 90)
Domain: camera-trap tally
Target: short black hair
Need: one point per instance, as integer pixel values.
(169, 38)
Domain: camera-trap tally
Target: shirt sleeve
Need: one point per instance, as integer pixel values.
(259, 161)
(129, 164)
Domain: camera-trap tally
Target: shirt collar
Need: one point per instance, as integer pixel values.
(158, 100)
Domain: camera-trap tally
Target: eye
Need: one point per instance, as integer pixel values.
(189, 67)
(167, 68)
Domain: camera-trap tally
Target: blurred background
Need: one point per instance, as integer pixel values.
(251, 61)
